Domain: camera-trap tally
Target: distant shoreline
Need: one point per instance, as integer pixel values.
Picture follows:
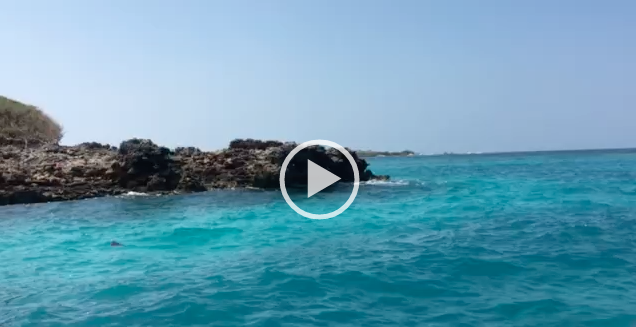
(374, 154)
(370, 153)
(533, 152)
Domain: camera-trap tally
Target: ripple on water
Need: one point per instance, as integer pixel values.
(505, 240)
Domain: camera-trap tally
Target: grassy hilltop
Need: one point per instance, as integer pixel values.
(27, 122)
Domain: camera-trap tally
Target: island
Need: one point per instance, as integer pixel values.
(35, 167)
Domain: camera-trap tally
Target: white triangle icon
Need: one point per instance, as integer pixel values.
(318, 178)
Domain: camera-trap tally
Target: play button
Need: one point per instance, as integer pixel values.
(318, 178)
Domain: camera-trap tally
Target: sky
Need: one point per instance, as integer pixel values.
(429, 76)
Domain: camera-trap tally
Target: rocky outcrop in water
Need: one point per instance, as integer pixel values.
(43, 173)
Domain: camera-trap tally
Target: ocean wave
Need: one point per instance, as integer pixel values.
(388, 183)
(534, 241)
(133, 193)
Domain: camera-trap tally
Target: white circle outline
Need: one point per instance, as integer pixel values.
(356, 179)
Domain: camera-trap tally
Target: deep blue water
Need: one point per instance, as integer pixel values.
(491, 240)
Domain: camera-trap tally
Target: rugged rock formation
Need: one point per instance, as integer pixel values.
(250, 144)
(145, 167)
(57, 173)
(54, 173)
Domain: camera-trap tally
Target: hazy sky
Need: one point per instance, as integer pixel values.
(431, 76)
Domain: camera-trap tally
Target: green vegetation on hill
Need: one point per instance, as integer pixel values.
(369, 153)
(23, 121)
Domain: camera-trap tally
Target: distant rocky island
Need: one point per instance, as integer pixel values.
(369, 153)
(36, 168)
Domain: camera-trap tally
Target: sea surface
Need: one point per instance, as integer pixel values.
(529, 239)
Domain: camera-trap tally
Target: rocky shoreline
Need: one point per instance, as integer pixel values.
(33, 172)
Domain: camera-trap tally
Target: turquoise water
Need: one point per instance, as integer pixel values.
(498, 240)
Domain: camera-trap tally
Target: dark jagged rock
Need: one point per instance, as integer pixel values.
(187, 151)
(191, 183)
(20, 142)
(253, 144)
(147, 167)
(52, 172)
(96, 146)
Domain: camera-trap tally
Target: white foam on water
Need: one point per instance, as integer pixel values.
(387, 183)
(133, 193)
